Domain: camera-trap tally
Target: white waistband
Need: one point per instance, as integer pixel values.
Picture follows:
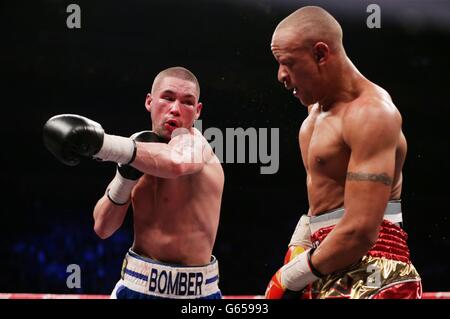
(392, 213)
(152, 277)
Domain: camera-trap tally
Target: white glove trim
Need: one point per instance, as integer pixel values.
(119, 190)
(117, 149)
(297, 274)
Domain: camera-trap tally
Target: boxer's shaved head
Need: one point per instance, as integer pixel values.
(179, 73)
(311, 25)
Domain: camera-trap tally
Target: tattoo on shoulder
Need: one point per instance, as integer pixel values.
(381, 178)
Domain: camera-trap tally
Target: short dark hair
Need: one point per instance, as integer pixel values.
(177, 72)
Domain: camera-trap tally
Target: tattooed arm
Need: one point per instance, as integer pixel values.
(372, 134)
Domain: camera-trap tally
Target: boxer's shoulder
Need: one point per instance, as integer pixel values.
(373, 106)
(373, 98)
(372, 117)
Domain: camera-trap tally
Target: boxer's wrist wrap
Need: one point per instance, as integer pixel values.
(113, 201)
(297, 274)
(311, 266)
(134, 153)
(119, 190)
(117, 149)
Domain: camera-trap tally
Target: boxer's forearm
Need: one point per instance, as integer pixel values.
(108, 217)
(343, 247)
(165, 161)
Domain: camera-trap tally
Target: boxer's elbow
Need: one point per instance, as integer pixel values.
(176, 169)
(180, 169)
(102, 231)
(108, 217)
(102, 228)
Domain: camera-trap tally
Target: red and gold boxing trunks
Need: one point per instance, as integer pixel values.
(385, 272)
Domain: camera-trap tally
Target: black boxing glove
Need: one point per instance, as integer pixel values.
(69, 137)
(127, 176)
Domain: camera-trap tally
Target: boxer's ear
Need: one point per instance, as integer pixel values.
(198, 110)
(321, 52)
(148, 101)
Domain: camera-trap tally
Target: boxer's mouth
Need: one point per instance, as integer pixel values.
(173, 123)
(290, 88)
(294, 90)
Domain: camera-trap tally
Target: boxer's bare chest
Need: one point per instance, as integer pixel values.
(323, 149)
(159, 193)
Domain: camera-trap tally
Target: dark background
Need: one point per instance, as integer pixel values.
(104, 70)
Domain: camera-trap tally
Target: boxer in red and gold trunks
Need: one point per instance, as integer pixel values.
(350, 244)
